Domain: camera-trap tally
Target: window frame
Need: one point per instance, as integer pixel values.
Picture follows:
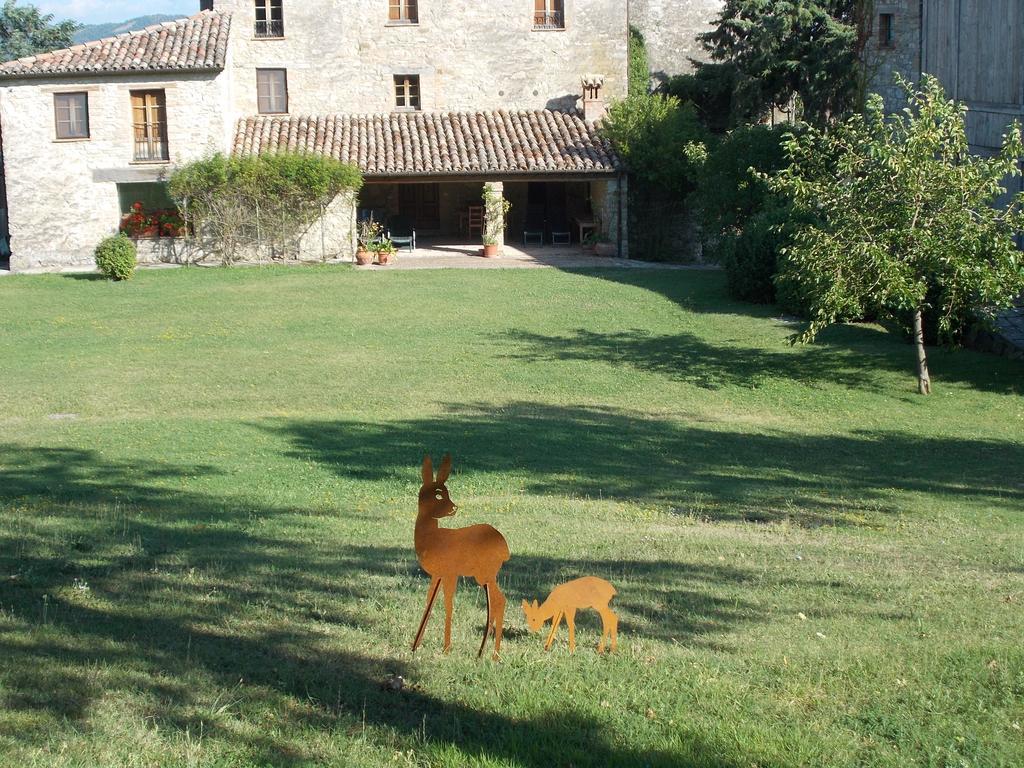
(412, 98)
(161, 139)
(544, 11)
(887, 30)
(284, 95)
(273, 29)
(70, 122)
(408, 13)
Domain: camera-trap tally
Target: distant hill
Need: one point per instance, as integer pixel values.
(91, 32)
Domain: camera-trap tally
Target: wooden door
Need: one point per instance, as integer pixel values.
(421, 203)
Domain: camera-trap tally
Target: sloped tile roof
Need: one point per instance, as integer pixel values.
(198, 43)
(448, 143)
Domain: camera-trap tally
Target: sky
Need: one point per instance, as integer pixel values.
(95, 11)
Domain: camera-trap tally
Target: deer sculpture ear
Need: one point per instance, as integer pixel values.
(536, 605)
(526, 607)
(428, 470)
(445, 470)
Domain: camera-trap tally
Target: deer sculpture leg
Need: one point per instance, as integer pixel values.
(488, 623)
(609, 629)
(498, 609)
(555, 623)
(449, 583)
(570, 620)
(431, 597)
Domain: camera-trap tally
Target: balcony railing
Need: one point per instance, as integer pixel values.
(270, 28)
(148, 149)
(549, 20)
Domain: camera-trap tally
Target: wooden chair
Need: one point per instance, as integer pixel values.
(476, 221)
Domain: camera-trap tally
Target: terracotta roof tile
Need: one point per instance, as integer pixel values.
(196, 43)
(428, 144)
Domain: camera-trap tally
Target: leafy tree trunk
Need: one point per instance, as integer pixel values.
(924, 380)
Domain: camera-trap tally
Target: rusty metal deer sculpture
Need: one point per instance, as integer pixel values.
(565, 600)
(447, 554)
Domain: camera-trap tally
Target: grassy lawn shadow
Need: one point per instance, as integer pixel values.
(849, 355)
(601, 452)
(285, 667)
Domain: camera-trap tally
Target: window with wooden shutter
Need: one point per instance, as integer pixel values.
(272, 91)
(71, 113)
(548, 14)
(149, 121)
(269, 18)
(403, 12)
(407, 92)
(886, 30)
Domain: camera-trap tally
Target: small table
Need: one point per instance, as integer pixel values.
(586, 226)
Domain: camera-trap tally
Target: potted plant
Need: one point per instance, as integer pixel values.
(369, 241)
(590, 242)
(496, 209)
(490, 247)
(385, 252)
(604, 246)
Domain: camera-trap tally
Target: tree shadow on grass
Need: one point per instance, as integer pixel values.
(692, 467)
(850, 355)
(138, 632)
(688, 358)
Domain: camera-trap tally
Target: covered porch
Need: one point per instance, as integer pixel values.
(549, 214)
(425, 175)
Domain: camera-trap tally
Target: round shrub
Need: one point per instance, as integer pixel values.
(116, 258)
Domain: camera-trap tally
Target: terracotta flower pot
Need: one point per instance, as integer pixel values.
(490, 251)
(606, 249)
(384, 258)
(364, 258)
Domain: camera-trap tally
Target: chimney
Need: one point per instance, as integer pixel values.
(593, 103)
(205, 5)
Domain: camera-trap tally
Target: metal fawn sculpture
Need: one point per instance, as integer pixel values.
(449, 553)
(565, 600)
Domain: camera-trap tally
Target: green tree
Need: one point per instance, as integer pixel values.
(659, 139)
(906, 219)
(25, 31)
(639, 65)
(810, 50)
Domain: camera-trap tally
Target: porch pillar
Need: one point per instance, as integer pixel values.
(494, 215)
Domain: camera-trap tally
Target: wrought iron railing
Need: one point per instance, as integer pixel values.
(270, 28)
(149, 148)
(549, 20)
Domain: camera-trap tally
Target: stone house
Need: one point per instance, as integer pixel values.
(974, 47)
(431, 100)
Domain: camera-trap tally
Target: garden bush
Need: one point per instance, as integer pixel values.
(236, 204)
(117, 257)
(745, 224)
(752, 259)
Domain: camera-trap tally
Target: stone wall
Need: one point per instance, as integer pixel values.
(903, 58)
(62, 195)
(342, 55)
(670, 28)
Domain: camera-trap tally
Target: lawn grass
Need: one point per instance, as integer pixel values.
(207, 492)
